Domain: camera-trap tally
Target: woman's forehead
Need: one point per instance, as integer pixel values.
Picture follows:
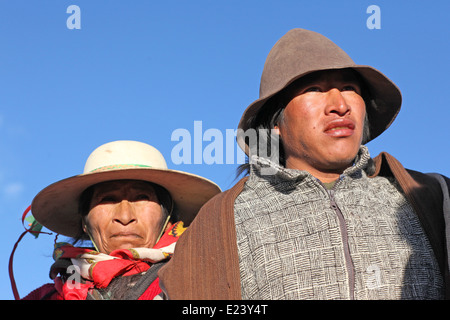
(118, 185)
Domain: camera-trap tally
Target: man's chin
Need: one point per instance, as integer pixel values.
(338, 165)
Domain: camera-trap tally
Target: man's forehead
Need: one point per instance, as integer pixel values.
(332, 75)
(337, 76)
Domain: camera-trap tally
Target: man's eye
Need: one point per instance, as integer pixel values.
(350, 88)
(313, 89)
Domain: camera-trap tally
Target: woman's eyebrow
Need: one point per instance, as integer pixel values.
(142, 188)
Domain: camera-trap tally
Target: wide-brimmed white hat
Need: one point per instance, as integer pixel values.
(56, 206)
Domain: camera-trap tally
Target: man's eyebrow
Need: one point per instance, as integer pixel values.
(351, 79)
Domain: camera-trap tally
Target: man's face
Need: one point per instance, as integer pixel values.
(124, 214)
(322, 125)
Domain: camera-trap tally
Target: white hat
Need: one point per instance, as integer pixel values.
(56, 206)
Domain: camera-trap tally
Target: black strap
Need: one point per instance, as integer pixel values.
(143, 284)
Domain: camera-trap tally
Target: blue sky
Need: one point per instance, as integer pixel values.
(140, 70)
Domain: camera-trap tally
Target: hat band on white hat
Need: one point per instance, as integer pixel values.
(56, 206)
(118, 167)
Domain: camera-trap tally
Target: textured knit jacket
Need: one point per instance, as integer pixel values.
(205, 265)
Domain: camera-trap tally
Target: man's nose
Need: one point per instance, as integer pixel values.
(336, 103)
(124, 213)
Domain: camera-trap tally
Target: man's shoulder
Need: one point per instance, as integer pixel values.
(387, 164)
(431, 177)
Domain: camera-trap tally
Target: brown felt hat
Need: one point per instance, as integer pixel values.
(300, 52)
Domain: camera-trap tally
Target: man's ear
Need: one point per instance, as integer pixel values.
(276, 129)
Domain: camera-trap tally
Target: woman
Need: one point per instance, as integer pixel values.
(132, 208)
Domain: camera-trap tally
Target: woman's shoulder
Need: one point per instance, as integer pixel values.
(44, 292)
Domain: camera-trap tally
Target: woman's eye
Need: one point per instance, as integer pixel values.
(142, 197)
(107, 199)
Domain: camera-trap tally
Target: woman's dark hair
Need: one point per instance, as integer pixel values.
(164, 198)
(273, 110)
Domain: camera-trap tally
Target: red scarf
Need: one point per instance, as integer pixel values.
(98, 270)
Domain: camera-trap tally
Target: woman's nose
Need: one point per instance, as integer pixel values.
(124, 213)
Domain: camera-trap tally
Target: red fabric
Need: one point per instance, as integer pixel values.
(152, 291)
(103, 272)
(41, 292)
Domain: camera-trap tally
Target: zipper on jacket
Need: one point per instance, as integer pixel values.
(344, 236)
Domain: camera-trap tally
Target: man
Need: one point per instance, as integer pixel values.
(132, 208)
(326, 221)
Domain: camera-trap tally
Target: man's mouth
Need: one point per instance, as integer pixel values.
(337, 128)
(340, 128)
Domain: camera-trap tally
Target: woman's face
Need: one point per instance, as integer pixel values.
(124, 214)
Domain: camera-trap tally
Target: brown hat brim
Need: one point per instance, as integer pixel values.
(301, 52)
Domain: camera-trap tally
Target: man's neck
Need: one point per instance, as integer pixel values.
(325, 176)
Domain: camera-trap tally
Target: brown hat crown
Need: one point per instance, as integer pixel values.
(297, 53)
(300, 52)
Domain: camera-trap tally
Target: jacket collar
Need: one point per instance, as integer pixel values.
(261, 167)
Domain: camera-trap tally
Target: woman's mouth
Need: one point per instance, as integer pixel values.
(125, 235)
